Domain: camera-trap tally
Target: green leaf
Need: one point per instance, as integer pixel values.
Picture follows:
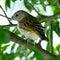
(48, 47)
(55, 9)
(7, 4)
(51, 32)
(59, 1)
(23, 36)
(59, 31)
(37, 8)
(8, 28)
(27, 5)
(52, 1)
(12, 48)
(29, 52)
(8, 56)
(33, 1)
(56, 27)
(13, 0)
(44, 7)
(17, 31)
(50, 36)
(55, 51)
(53, 58)
(39, 56)
(4, 47)
(18, 49)
(0, 57)
(58, 46)
(4, 36)
(42, 1)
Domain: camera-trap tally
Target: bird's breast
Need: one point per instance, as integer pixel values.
(28, 32)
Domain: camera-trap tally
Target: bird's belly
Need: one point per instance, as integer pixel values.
(29, 33)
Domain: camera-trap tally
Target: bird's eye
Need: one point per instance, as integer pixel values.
(17, 15)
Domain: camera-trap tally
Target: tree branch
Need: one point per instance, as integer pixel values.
(8, 25)
(5, 15)
(43, 17)
(2, 15)
(50, 17)
(35, 10)
(35, 48)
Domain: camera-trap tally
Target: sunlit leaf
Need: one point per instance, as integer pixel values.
(55, 51)
(29, 52)
(58, 46)
(55, 9)
(17, 31)
(4, 47)
(37, 8)
(33, 1)
(32, 57)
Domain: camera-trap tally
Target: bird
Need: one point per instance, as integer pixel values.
(29, 26)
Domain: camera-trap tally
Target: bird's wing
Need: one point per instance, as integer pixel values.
(35, 25)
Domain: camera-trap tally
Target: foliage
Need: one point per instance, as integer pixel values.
(52, 23)
(4, 36)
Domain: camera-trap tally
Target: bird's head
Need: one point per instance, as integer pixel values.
(19, 15)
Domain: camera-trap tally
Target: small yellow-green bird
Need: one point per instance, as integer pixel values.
(29, 26)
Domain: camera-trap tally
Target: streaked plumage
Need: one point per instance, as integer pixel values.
(29, 24)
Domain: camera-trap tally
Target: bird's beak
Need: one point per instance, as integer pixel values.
(12, 18)
(9, 18)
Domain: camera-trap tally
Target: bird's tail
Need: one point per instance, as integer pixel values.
(42, 34)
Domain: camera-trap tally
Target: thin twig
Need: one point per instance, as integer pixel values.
(35, 10)
(10, 25)
(42, 17)
(5, 14)
(50, 17)
(2, 15)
